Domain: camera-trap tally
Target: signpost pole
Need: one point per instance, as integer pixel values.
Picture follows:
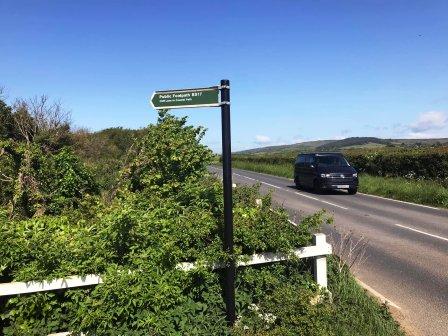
(227, 184)
(208, 97)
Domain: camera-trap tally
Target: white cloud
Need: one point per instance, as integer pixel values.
(297, 140)
(429, 121)
(262, 140)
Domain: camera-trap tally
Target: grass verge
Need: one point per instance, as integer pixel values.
(416, 191)
(358, 313)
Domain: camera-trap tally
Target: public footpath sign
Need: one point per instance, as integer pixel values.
(202, 97)
(210, 97)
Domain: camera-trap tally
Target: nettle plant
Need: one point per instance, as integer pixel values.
(167, 210)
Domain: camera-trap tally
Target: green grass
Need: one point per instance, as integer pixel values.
(416, 191)
(422, 192)
(284, 170)
(357, 312)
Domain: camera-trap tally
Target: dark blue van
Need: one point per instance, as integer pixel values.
(324, 171)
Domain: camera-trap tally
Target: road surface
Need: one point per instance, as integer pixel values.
(406, 245)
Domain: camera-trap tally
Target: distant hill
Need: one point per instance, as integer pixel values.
(353, 142)
(299, 146)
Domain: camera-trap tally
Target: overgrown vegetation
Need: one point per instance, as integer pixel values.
(104, 152)
(39, 174)
(161, 208)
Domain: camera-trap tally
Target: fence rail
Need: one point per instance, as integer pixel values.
(318, 252)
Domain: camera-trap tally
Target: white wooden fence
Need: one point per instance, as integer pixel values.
(318, 252)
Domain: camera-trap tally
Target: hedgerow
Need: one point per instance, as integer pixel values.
(412, 163)
(166, 209)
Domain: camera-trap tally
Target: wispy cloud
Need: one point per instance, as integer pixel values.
(428, 121)
(431, 124)
(262, 140)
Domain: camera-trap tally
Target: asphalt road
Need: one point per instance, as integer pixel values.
(406, 245)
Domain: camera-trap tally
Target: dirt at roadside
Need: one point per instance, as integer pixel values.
(403, 321)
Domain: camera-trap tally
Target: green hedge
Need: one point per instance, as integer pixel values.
(402, 164)
(424, 163)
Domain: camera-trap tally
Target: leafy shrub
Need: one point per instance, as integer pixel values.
(105, 152)
(65, 181)
(35, 183)
(136, 243)
(168, 155)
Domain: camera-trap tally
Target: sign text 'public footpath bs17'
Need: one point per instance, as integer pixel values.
(201, 97)
(209, 97)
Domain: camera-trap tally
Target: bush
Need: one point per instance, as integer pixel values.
(169, 155)
(36, 183)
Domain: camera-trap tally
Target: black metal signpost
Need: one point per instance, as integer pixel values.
(207, 97)
(227, 184)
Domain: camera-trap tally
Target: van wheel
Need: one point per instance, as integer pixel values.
(352, 191)
(316, 187)
(297, 183)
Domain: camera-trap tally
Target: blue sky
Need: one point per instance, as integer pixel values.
(299, 70)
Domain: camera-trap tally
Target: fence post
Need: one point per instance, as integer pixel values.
(320, 262)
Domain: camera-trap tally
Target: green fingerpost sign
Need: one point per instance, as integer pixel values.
(201, 97)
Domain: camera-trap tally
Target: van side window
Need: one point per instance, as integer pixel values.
(312, 159)
(301, 159)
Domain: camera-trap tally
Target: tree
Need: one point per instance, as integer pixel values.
(40, 121)
(169, 155)
(37, 175)
(7, 129)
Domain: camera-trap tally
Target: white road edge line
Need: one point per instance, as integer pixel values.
(422, 232)
(395, 200)
(382, 298)
(295, 224)
(295, 192)
(316, 199)
(360, 193)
